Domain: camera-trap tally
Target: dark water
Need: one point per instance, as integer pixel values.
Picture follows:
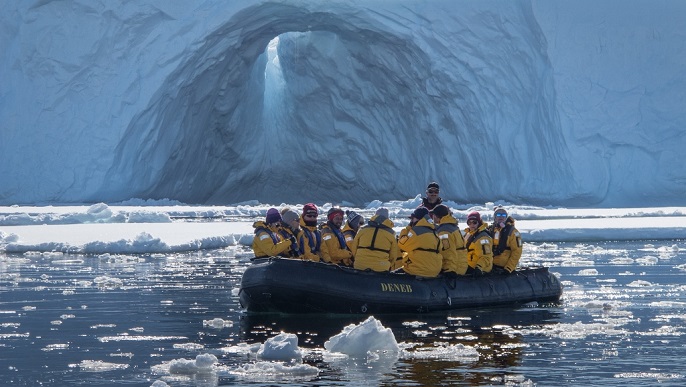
(80, 320)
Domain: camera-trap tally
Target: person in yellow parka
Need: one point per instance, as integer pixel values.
(507, 242)
(311, 238)
(375, 246)
(453, 250)
(479, 246)
(290, 229)
(267, 241)
(420, 246)
(334, 248)
(352, 225)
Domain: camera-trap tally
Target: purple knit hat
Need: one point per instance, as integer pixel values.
(273, 216)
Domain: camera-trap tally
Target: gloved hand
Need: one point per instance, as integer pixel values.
(293, 241)
(477, 272)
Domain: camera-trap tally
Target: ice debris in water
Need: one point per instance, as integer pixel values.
(359, 340)
(588, 272)
(202, 364)
(283, 346)
(98, 366)
(217, 323)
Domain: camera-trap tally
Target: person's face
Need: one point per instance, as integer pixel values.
(310, 217)
(337, 220)
(295, 224)
(500, 217)
(473, 224)
(432, 194)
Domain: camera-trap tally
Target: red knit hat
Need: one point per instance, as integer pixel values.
(332, 213)
(310, 209)
(474, 216)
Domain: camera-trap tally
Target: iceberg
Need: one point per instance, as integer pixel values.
(215, 102)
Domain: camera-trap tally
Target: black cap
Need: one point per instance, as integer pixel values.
(440, 210)
(420, 212)
(433, 184)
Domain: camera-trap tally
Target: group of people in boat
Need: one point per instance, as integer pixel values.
(431, 244)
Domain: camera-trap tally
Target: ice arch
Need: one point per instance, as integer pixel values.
(409, 98)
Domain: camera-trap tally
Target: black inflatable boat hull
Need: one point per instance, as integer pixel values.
(295, 286)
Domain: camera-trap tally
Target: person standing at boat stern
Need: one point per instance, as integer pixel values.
(453, 248)
(267, 241)
(310, 238)
(375, 246)
(431, 199)
(290, 229)
(334, 248)
(420, 246)
(479, 245)
(352, 226)
(507, 242)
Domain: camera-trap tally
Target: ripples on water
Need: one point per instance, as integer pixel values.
(113, 320)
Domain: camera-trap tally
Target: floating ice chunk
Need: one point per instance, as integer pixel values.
(99, 211)
(442, 351)
(159, 383)
(189, 346)
(622, 261)
(647, 260)
(55, 347)
(268, 371)
(8, 238)
(588, 272)
(108, 282)
(241, 348)
(98, 366)
(217, 323)
(358, 340)
(53, 254)
(639, 284)
(283, 346)
(202, 364)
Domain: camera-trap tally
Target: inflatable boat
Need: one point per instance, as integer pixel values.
(295, 286)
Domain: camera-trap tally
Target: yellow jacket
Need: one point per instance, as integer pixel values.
(334, 248)
(310, 242)
(507, 254)
(421, 249)
(294, 250)
(349, 235)
(375, 246)
(267, 241)
(452, 246)
(479, 249)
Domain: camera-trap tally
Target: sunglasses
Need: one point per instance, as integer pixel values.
(310, 216)
(501, 214)
(472, 222)
(432, 191)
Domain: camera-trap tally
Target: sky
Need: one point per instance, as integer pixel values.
(576, 104)
(171, 227)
